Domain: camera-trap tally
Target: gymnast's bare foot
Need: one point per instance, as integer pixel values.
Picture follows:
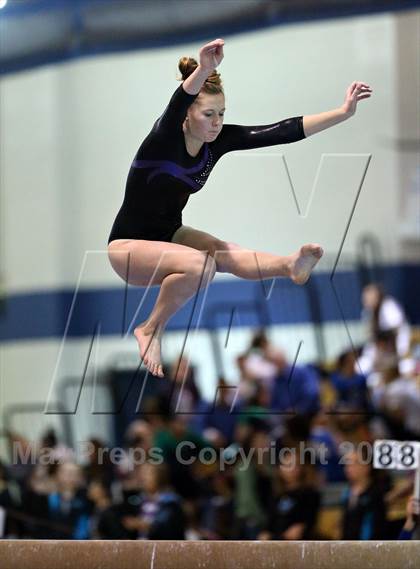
(303, 261)
(149, 344)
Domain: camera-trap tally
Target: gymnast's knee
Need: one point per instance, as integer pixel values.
(219, 246)
(203, 268)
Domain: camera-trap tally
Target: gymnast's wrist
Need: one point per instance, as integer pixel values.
(343, 113)
(204, 72)
(195, 81)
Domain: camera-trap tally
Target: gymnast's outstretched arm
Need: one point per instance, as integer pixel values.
(240, 137)
(315, 123)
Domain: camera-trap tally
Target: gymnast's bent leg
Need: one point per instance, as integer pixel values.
(179, 269)
(249, 264)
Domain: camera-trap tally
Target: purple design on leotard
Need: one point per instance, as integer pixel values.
(168, 167)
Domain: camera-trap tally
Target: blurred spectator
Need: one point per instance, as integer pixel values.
(349, 385)
(216, 420)
(364, 514)
(261, 360)
(108, 521)
(63, 512)
(397, 397)
(295, 390)
(99, 466)
(56, 449)
(252, 477)
(100, 497)
(167, 439)
(138, 440)
(348, 426)
(382, 313)
(160, 514)
(217, 508)
(413, 515)
(296, 503)
(185, 395)
(257, 408)
(325, 441)
(29, 455)
(385, 352)
(295, 431)
(68, 506)
(9, 526)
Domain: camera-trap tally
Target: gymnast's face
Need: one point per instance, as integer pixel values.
(205, 117)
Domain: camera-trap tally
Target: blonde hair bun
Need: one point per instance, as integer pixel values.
(213, 83)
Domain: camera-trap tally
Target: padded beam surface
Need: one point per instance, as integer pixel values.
(29, 554)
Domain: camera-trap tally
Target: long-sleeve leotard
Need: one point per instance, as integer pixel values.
(163, 175)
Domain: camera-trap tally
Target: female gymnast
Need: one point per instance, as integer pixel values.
(149, 245)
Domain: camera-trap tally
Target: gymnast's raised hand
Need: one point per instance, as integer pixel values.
(211, 55)
(355, 93)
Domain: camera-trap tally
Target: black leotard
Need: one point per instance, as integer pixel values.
(163, 174)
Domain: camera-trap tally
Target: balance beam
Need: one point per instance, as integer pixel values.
(31, 554)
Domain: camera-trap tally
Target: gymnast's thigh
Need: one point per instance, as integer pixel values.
(197, 239)
(142, 262)
(190, 237)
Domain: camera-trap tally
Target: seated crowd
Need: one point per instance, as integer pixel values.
(286, 456)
